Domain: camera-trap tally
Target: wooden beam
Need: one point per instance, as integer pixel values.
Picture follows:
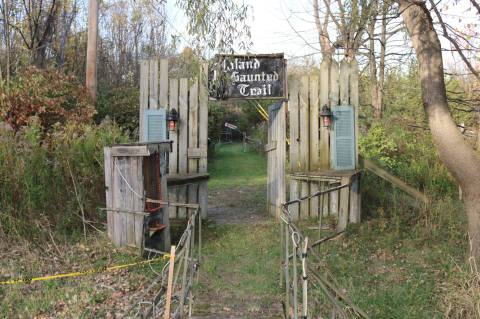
(380, 172)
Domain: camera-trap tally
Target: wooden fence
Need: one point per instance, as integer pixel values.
(187, 167)
(309, 154)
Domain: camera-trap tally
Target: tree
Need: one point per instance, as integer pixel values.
(459, 158)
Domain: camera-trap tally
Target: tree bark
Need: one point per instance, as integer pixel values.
(322, 31)
(459, 158)
(91, 74)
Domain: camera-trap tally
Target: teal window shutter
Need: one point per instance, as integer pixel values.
(154, 125)
(343, 146)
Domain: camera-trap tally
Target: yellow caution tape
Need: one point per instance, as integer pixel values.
(28, 280)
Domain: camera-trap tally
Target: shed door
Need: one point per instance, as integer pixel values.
(343, 141)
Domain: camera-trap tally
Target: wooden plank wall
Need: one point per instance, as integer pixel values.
(189, 96)
(333, 84)
(276, 157)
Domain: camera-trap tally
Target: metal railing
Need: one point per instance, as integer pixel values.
(170, 294)
(310, 289)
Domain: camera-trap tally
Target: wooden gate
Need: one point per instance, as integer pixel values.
(187, 167)
(276, 150)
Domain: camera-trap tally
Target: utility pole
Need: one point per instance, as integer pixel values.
(6, 28)
(91, 76)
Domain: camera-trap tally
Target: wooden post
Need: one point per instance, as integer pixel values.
(168, 301)
(173, 156)
(324, 132)
(355, 209)
(314, 142)
(91, 76)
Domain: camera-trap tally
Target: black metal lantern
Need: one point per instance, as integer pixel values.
(326, 115)
(172, 119)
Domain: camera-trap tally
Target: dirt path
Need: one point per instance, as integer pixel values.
(238, 205)
(238, 278)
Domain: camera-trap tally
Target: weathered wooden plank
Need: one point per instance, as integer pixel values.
(314, 201)
(107, 159)
(314, 136)
(139, 204)
(354, 200)
(323, 100)
(163, 99)
(354, 100)
(333, 209)
(294, 143)
(333, 94)
(294, 128)
(183, 143)
(183, 127)
(343, 208)
(281, 154)
(143, 94)
(131, 177)
(294, 194)
(193, 124)
(153, 84)
(141, 150)
(304, 156)
(344, 82)
(304, 124)
(197, 153)
(203, 198)
(173, 135)
(172, 197)
(119, 192)
(305, 204)
(164, 194)
(203, 119)
(334, 85)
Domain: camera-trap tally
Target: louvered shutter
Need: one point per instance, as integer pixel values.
(155, 125)
(343, 148)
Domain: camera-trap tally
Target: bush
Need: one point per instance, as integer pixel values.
(46, 181)
(50, 95)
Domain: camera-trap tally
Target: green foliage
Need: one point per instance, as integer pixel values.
(376, 144)
(50, 95)
(46, 181)
(120, 104)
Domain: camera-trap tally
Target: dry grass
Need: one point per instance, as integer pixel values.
(462, 299)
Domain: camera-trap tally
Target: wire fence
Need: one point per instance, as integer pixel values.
(170, 294)
(310, 289)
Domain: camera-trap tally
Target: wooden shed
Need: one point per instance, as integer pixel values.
(135, 180)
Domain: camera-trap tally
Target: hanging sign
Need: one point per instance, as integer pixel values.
(259, 76)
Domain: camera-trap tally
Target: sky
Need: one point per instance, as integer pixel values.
(287, 26)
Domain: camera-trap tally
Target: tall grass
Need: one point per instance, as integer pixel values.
(50, 181)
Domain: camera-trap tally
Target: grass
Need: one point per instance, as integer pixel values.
(231, 166)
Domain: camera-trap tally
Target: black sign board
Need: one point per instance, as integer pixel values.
(247, 77)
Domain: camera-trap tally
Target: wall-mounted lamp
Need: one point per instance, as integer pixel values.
(172, 119)
(326, 115)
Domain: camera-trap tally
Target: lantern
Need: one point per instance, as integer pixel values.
(172, 119)
(326, 115)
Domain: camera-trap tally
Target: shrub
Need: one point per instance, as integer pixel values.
(46, 181)
(50, 95)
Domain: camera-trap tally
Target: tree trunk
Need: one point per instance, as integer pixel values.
(459, 158)
(91, 76)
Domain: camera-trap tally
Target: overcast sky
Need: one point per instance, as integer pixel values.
(287, 26)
